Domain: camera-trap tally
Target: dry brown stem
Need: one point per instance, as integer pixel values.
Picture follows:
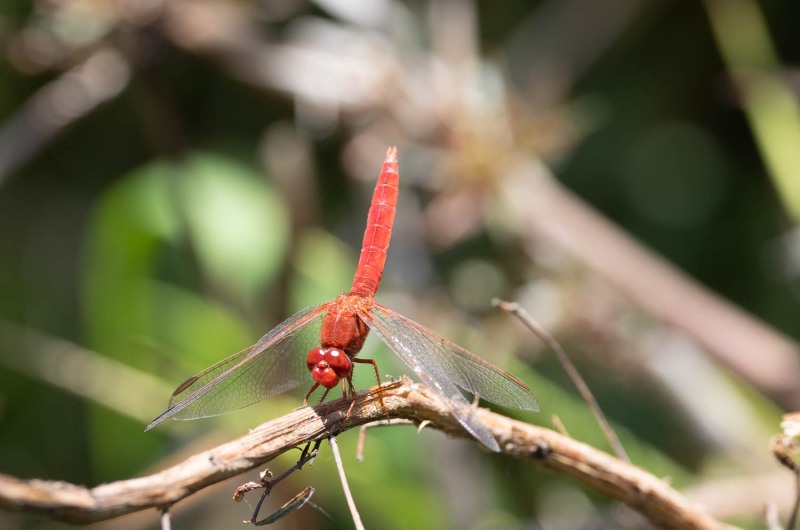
(547, 449)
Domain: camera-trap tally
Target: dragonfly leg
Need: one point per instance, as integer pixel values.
(324, 395)
(377, 378)
(352, 394)
(314, 387)
(374, 365)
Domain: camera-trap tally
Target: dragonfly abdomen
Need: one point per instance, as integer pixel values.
(379, 229)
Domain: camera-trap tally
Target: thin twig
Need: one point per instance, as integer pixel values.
(166, 523)
(347, 494)
(270, 483)
(545, 448)
(558, 425)
(519, 312)
(291, 506)
(771, 517)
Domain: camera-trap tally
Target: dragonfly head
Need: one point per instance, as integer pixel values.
(328, 366)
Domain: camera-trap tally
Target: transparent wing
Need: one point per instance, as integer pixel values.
(446, 360)
(275, 364)
(445, 367)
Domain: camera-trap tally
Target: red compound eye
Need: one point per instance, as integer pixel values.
(328, 366)
(339, 362)
(314, 356)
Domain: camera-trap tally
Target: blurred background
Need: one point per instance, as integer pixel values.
(177, 177)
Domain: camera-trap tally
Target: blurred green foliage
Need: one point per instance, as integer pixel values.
(180, 219)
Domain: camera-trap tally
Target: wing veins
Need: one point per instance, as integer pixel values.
(461, 410)
(290, 328)
(468, 371)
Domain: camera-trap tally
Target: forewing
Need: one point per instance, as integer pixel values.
(275, 364)
(405, 346)
(442, 359)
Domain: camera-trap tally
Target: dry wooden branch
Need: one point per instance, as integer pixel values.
(549, 450)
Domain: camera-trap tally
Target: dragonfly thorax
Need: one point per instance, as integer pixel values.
(342, 328)
(328, 365)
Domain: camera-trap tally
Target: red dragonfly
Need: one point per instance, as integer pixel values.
(326, 338)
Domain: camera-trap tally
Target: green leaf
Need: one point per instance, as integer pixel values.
(237, 224)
